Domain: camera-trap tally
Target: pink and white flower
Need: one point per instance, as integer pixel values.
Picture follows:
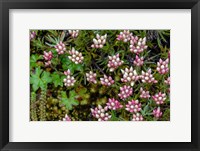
(147, 77)
(91, 77)
(100, 113)
(113, 104)
(69, 80)
(99, 41)
(76, 56)
(159, 98)
(167, 81)
(124, 36)
(125, 92)
(32, 35)
(129, 75)
(137, 117)
(162, 66)
(144, 94)
(114, 62)
(137, 46)
(107, 80)
(157, 113)
(133, 106)
(73, 33)
(66, 118)
(47, 57)
(139, 61)
(60, 47)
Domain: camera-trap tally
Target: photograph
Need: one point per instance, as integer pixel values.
(99, 75)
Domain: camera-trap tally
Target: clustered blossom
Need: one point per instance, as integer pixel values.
(76, 56)
(167, 81)
(157, 113)
(100, 113)
(147, 77)
(66, 118)
(129, 75)
(114, 62)
(113, 104)
(47, 56)
(124, 36)
(137, 117)
(144, 94)
(60, 48)
(133, 106)
(139, 61)
(137, 45)
(107, 80)
(99, 41)
(73, 33)
(125, 92)
(162, 66)
(159, 98)
(91, 77)
(32, 35)
(69, 80)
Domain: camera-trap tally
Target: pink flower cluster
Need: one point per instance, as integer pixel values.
(66, 118)
(107, 80)
(125, 92)
(32, 35)
(124, 36)
(60, 47)
(47, 57)
(133, 106)
(113, 104)
(69, 80)
(147, 77)
(159, 98)
(167, 81)
(76, 56)
(114, 62)
(129, 75)
(73, 33)
(99, 41)
(162, 66)
(144, 94)
(137, 117)
(137, 45)
(91, 77)
(100, 113)
(157, 113)
(139, 61)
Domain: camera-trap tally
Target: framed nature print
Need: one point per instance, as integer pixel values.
(99, 75)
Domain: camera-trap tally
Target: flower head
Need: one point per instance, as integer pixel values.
(144, 94)
(113, 104)
(66, 118)
(76, 56)
(107, 80)
(91, 77)
(133, 106)
(129, 75)
(159, 98)
(147, 77)
(157, 113)
(69, 80)
(114, 62)
(137, 117)
(162, 66)
(167, 81)
(138, 61)
(100, 113)
(124, 36)
(73, 33)
(47, 57)
(60, 47)
(32, 35)
(125, 92)
(137, 45)
(99, 41)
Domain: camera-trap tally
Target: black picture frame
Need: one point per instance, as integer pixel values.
(5, 5)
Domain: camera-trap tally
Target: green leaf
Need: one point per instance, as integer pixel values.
(33, 60)
(70, 101)
(46, 77)
(57, 79)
